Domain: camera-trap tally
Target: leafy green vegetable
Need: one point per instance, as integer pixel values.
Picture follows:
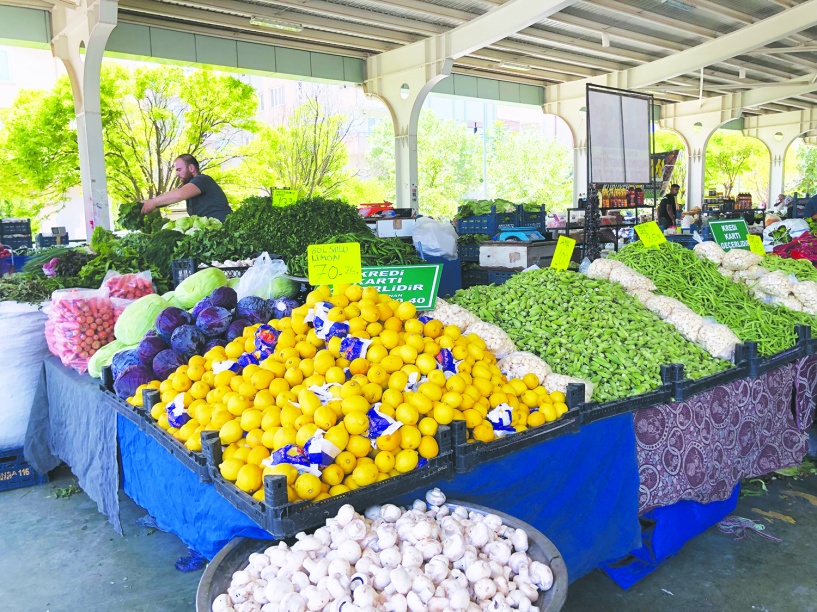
(28, 289)
(131, 217)
(374, 251)
(102, 241)
(71, 262)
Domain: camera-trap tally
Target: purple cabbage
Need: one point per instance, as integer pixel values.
(166, 362)
(123, 360)
(225, 297)
(214, 321)
(282, 307)
(201, 305)
(187, 340)
(148, 348)
(252, 308)
(236, 329)
(169, 319)
(130, 379)
(214, 343)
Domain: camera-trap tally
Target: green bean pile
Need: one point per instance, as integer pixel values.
(678, 273)
(590, 329)
(803, 269)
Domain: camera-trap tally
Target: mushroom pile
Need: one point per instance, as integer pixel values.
(427, 557)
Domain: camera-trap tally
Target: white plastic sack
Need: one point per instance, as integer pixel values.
(24, 343)
(718, 340)
(797, 227)
(519, 363)
(438, 238)
(258, 279)
(559, 382)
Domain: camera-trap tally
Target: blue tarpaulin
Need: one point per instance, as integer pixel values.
(175, 497)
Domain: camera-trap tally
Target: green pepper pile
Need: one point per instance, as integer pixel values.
(374, 251)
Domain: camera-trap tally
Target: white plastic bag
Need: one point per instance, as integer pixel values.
(24, 343)
(258, 279)
(438, 238)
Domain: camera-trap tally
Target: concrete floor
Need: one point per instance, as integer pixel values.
(61, 555)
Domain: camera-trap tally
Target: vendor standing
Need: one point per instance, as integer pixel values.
(668, 209)
(204, 197)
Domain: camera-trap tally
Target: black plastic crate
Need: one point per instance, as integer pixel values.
(468, 455)
(593, 411)
(16, 472)
(475, 276)
(42, 240)
(685, 240)
(15, 227)
(17, 242)
(180, 269)
(284, 519)
(134, 414)
(758, 365)
(498, 277)
(468, 252)
(684, 388)
(536, 220)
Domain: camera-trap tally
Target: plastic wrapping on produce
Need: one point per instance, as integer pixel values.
(259, 279)
(601, 268)
(451, 314)
(435, 238)
(495, 338)
(718, 340)
(789, 301)
(738, 259)
(806, 292)
(128, 286)
(711, 251)
(630, 279)
(559, 382)
(519, 363)
(23, 337)
(686, 322)
(662, 306)
(777, 284)
(642, 295)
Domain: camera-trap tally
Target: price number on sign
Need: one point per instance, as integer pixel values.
(650, 234)
(284, 197)
(756, 245)
(333, 264)
(563, 253)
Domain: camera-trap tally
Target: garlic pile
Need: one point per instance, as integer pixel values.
(716, 339)
(428, 557)
(776, 287)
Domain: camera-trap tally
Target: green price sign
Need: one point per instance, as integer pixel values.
(415, 284)
(284, 197)
(730, 234)
(332, 264)
(650, 234)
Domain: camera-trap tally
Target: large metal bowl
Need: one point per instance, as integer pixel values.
(233, 557)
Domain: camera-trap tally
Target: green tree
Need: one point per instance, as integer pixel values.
(807, 169)
(149, 117)
(308, 153)
(527, 167)
(448, 162)
(731, 155)
(669, 141)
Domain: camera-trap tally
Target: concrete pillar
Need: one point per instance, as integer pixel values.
(574, 114)
(87, 27)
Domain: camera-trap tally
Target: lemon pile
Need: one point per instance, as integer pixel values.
(271, 405)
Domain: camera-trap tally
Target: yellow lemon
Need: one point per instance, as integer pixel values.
(347, 461)
(283, 469)
(421, 402)
(283, 437)
(230, 432)
(181, 382)
(251, 419)
(158, 410)
(427, 427)
(337, 435)
(308, 402)
(390, 338)
(372, 392)
(271, 418)
(407, 353)
(257, 454)
(307, 486)
(392, 363)
(193, 443)
(392, 397)
(483, 432)
(535, 419)
(229, 468)
(531, 380)
(443, 413)
(431, 390)
(199, 390)
(561, 408)
(428, 447)
(339, 489)
(305, 433)
(413, 326)
(426, 363)
(332, 475)
(219, 418)
(249, 478)
(384, 461)
(365, 474)
(350, 388)
(407, 414)
(359, 446)
(262, 379)
(355, 403)
(410, 437)
(557, 396)
(452, 398)
(325, 417)
(406, 460)
(237, 404)
(356, 422)
(263, 399)
(390, 442)
(433, 329)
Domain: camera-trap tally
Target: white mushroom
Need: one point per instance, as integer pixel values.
(517, 561)
(259, 594)
(258, 561)
(443, 511)
(359, 580)
(520, 540)
(396, 603)
(540, 575)
(240, 578)
(527, 588)
(381, 578)
(221, 603)
(460, 512)
(390, 557)
(350, 551)
(324, 535)
(277, 589)
(459, 599)
(355, 529)
(436, 570)
(317, 569)
(484, 589)
(437, 604)
(423, 587)
(493, 522)
(498, 551)
(293, 602)
(316, 599)
(300, 580)
(364, 596)
(308, 544)
(238, 594)
(249, 606)
(345, 514)
(386, 536)
(429, 548)
(412, 558)
(340, 567)
(496, 569)
(468, 558)
(502, 585)
(478, 535)
(435, 497)
(372, 512)
(419, 505)
(336, 589)
(390, 513)
(477, 571)
(365, 565)
(415, 602)
(400, 579)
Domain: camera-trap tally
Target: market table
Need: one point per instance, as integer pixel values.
(586, 490)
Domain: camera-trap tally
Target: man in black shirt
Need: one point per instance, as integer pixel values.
(204, 197)
(667, 209)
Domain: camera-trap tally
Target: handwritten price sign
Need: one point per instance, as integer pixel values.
(334, 264)
(650, 234)
(756, 245)
(284, 197)
(563, 253)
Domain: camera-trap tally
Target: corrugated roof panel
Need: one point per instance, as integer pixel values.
(759, 9)
(396, 11)
(695, 17)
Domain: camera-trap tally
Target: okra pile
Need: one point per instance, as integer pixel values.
(678, 273)
(590, 329)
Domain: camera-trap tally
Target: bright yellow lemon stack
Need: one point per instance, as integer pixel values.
(271, 405)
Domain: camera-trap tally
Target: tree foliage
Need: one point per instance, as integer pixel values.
(149, 117)
(806, 163)
(729, 156)
(308, 152)
(666, 141)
